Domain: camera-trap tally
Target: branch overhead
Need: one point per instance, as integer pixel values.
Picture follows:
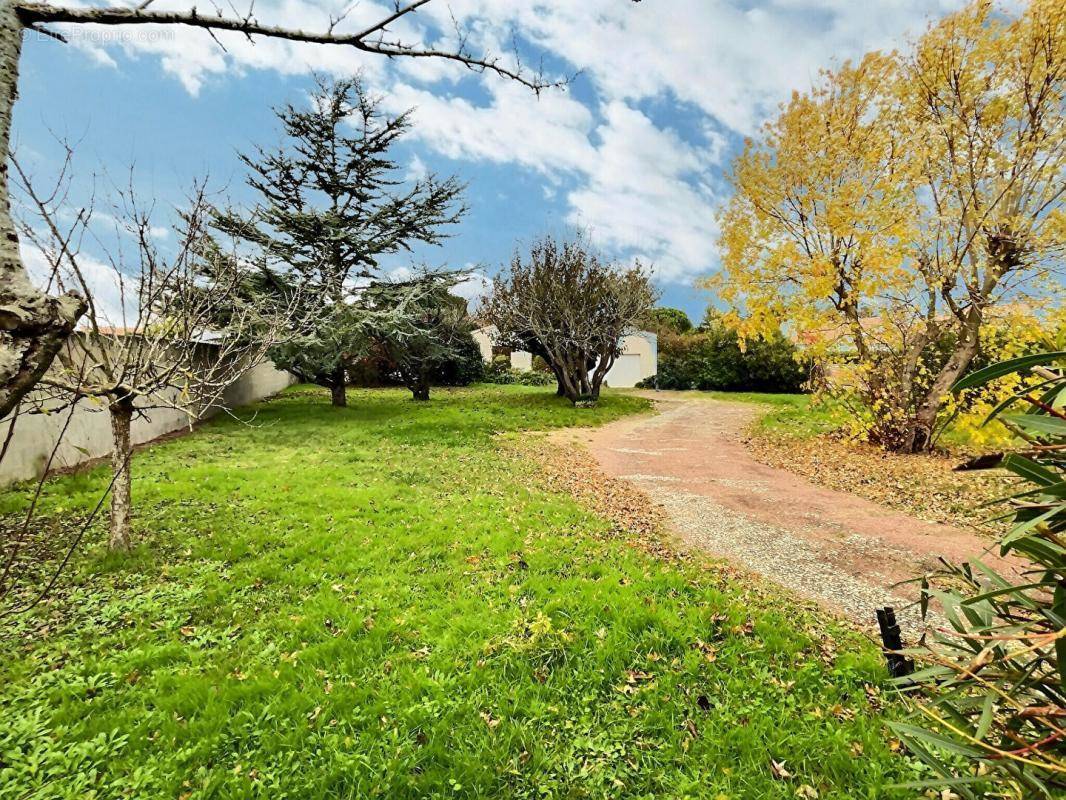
(371, 39)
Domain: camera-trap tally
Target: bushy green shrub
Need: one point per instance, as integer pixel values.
(540, 365)
(712, 359)
(520, 377)
(501, 371)
(534, 378)
(466, 368)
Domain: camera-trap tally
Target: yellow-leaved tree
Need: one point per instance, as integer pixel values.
(886, 216)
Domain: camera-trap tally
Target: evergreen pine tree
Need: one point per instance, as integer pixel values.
(331, 204)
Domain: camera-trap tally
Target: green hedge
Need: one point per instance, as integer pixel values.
(711, 359)
(500, 371)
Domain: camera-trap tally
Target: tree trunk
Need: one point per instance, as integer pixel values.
(571, 384)
(418, 383)
(560, 389)
(121, 490)
(33, 325)
(603, 366)
(337, 387)
(920, 435)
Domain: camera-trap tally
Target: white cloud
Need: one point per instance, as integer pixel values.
(548, 135)
(641, 189)
(733, 63)
(416, 169)
(644, 195)
(114, 296)
(473, 287)
(193, 57)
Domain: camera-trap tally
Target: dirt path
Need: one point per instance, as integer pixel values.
(841, 550)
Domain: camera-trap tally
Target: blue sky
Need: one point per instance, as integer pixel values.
(635, 151)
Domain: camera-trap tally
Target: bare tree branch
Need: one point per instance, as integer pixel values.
(369, 40)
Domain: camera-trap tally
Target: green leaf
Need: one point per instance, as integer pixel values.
(935, 739)
(993, 371)
(1030, 470)
(1022, 587)
(1059, 608)
(1048, 426)
(1018, 531)
(985, 722)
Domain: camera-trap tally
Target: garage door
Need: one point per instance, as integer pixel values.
(625, 372)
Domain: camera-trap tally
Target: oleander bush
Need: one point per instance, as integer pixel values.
(989, 706)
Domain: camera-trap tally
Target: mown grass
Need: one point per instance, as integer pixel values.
(377, 602)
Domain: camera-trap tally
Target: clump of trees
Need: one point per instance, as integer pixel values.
(331, 205)
(568, 305)
(892, 209)
(713, 357)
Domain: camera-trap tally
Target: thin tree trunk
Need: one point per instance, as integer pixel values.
(566, 381)
(560, 390)
(337, 387)
(33, 325)
(121, 490)
(920, 436)
(603, 366)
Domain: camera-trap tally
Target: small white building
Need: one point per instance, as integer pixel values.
(639, 358)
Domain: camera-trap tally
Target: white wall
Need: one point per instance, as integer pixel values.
(639, 360)
(88, 435)
(484, 337)
(521, 360)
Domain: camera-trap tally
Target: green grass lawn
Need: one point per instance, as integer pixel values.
(377, 602)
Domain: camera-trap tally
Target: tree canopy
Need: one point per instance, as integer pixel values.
(903, 199)
(570, 306)
(332, 203)
(668, 320)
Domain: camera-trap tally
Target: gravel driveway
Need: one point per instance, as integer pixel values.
(841, 550)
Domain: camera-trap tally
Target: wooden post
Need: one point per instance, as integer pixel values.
(899, 666)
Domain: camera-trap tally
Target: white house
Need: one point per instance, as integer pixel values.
(639, 358)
